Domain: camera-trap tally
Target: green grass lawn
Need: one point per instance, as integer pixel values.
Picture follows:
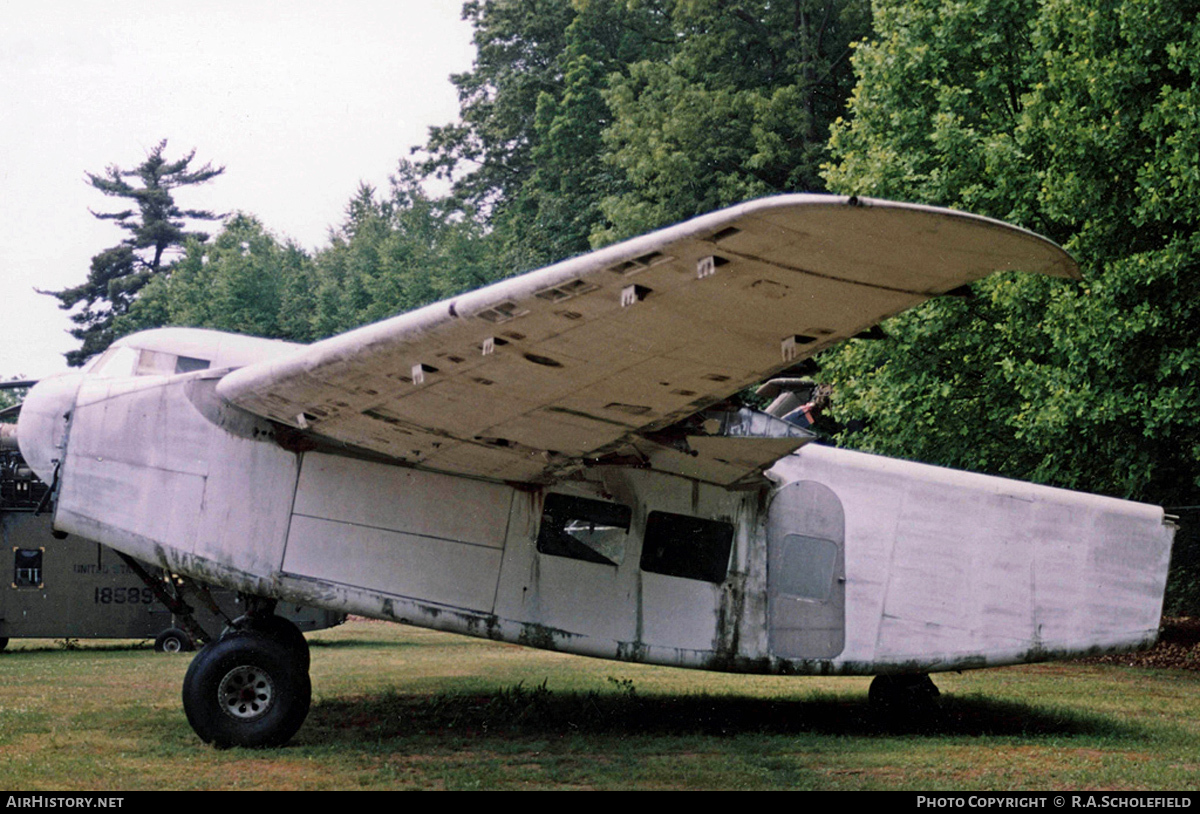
(398, 707)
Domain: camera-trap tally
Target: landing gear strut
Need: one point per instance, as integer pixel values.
(274, 627)
(250, 687)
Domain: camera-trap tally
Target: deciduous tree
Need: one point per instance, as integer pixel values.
(740, 109)
(1075, 118)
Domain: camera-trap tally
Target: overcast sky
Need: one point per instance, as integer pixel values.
(298, 100)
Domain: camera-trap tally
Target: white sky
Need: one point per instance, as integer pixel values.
(299, 100)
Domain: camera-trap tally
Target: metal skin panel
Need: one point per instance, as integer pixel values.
(84, 592)
(634, 336)
(947, 570)
(428, 570)
(427, 537)
(426, 504)
(220, 350)
(583, 599)
(153, 467)
(679, 614)
(88, 592)
(718, 460)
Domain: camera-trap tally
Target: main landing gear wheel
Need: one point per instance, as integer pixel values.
(904, 695)
(173, 640)
(246, 689)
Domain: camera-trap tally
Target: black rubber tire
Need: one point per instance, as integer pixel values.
(904, 694)
(274, 627)
(174, 640)
(246, 690)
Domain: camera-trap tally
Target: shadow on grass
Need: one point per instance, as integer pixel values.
(538, 712)
(377, 644)
(31, 647)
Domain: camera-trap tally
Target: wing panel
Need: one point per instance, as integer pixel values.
(532, 375)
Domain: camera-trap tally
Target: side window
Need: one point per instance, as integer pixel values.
(584, 529)
(189, 364)
(116, 363)
(155, 363)
(678, 545)
(806, 567)
(159, 363)
(27, 567)
(126, 361)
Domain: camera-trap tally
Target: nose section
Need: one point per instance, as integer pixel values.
(42, 426)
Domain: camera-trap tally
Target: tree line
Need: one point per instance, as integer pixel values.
(585, 122)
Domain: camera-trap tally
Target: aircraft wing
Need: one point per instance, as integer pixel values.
(587, 360)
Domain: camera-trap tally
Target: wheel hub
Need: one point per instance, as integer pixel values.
(246, 693)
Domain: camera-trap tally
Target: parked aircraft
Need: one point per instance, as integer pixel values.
(66, 587)
(553, 460)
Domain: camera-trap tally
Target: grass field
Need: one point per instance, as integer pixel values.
(398, 707)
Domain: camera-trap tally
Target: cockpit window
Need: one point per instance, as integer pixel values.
(116, 363)
(156, 363)
(125, 361)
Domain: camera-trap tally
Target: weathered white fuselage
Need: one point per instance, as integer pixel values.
(843, 563)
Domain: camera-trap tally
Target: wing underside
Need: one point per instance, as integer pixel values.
(588, 359)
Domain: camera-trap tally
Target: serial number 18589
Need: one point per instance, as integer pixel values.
(123, 596)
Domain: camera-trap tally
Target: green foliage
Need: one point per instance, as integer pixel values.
(243, 281)
(517, 46)
(395, 254)
(932, 117)
(155, 227)
(1070, 118)
(9, 398)
(390, 255)
(741, 109)
(1076, 119)
(527, 151)
(584, 122)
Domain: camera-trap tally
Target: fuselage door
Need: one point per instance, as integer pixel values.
(806, 573)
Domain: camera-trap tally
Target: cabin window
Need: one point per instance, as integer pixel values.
(27, 567)
(805, 567)
(678, 545)
(583, 529)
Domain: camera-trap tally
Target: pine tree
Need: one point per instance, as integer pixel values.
(155, 227)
